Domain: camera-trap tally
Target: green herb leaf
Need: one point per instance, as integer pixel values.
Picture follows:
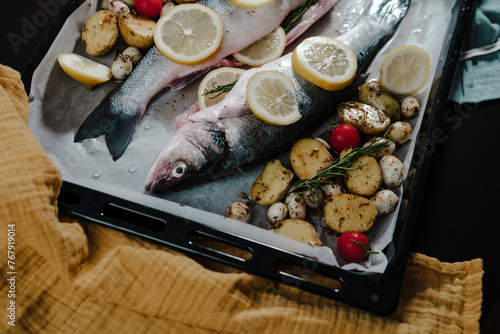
(334, 171)
(219, 89)
(294, 18)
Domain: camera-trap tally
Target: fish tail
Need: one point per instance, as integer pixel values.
(117, 128)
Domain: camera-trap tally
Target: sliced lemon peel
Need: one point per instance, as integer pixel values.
(189, 34)
(266, 49)
(250, 3)
(84, 70)
(271, 98)
(218, 77)
(326, 62)
(405, 70)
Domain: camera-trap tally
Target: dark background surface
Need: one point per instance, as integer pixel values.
(458, 219)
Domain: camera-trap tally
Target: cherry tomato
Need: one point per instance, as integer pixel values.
(149, 8)
(354, 247)
(344, 136)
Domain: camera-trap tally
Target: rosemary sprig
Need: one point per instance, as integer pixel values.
(335, 170)
(219, 89)
(296, 16)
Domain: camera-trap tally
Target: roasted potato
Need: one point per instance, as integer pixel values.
(272, 184)
(308, 156)
(299, 230)
(373, 94)
(137, 30)
(99, 33)
(365, 118)
(348, 212)
(366, 179)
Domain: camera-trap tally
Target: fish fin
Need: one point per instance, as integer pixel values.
(120, 135)
(117, 128)
(183, 118)
(313, 14)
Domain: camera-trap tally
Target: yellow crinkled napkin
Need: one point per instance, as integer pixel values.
(78, 277)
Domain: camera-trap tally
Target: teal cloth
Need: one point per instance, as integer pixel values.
(478, 75)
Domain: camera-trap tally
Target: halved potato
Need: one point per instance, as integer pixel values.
(348, 212)
(367, 119)
(299, 230)
(308, 156)
(364, 180)
(137, 30)
(99, 33)
(272, 184)
(373, 94)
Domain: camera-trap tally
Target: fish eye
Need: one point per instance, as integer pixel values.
(179, 169)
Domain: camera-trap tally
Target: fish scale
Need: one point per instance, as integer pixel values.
(252, 140)
(117, 116)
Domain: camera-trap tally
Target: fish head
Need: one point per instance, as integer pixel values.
(189, 156)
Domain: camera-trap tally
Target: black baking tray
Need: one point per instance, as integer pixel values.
(375, 292)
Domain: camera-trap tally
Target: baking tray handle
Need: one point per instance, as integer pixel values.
(196, 238)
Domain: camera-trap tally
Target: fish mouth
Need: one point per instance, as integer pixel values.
(159, 180)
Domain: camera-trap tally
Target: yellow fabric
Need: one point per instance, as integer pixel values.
(79, 277)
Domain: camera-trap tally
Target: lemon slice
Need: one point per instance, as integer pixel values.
(220, 77)
(271, 97)
(405, 70)
(250, 3)
(266, 49)
(326, 62)
(84, 70)
(189, 34)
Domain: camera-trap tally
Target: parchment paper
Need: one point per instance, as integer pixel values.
(59, 104)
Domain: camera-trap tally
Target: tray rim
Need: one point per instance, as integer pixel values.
(356, 287)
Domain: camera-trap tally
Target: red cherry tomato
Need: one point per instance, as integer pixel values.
(344, 136)
(354, 247)
(149, 8)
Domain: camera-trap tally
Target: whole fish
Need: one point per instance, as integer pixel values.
(118, 114)
(227, 136)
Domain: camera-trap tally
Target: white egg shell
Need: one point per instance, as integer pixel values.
(410, 106)
(385, 201)
(400, 132)
(392, 171)
(277, 212)
(296, 206)
(385, 151)
(239, 211)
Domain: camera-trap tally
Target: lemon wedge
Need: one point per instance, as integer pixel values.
(405, 70)
(264, 50)
(271, 97)
(189, 34)
(250, 3)
(326, 62)
(84, 70)
(222, 76)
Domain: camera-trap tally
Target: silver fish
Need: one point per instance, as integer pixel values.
(118, 114)
(227, 136)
